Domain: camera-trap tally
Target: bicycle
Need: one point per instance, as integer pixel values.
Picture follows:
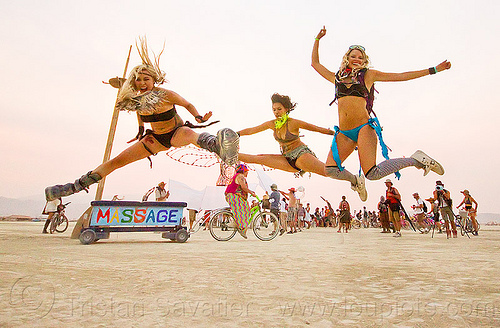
(223, 227)
(464, 222)
(59, 222)
(202, 220)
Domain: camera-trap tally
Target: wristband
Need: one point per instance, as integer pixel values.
(316, 39)
(199, 117)
(432, 70)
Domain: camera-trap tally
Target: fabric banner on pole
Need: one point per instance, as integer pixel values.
(265, 181)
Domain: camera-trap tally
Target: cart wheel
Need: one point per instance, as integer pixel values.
(181, 236)
(87, 236)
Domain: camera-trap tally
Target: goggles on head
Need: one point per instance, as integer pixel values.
(358, 47)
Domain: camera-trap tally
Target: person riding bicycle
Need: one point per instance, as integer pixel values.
(51, 208)
(467, 202)
(236, 196)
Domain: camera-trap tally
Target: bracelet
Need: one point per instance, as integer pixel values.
(432, 70)
(199, 117)
(316, 39)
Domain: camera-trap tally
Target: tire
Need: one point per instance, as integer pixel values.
(53, 223)
(356, 224)
(87, 236)
(218, 225)
(266, 226)
(458, 223)
(62, 224)
(181, 236)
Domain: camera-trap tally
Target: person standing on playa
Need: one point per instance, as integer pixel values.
(354, 90)
(393, 199)
(383, 214)
(420, 212)
(292, 209)
(274, 199)
(140, 93)
(161, 194)
(445, 207)
(345, 215)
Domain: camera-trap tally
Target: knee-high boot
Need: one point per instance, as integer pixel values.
(83, 183)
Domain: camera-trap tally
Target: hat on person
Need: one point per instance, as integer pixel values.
(415, 194)
(292, 189)
(274, 186)
(465, 192)
(439, 183)
(388, 181)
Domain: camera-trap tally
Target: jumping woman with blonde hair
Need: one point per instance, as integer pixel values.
(141, 93)
(354, 92)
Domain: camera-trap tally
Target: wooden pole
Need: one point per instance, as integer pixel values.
(111, 135)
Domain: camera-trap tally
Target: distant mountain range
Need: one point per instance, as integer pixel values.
(33, 206)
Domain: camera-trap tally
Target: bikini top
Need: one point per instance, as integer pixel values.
(289, 137)
(356, 89)
(165, 116)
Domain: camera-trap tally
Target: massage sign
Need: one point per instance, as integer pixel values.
(136, 215)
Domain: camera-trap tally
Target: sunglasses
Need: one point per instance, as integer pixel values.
(356, 46)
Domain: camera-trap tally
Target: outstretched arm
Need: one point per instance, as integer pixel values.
(174, 98)
(314, 128)
(284, 194)
(463, 201)
(256, 129)
(322, 70)
(374, 75)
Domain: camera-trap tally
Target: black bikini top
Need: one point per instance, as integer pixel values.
(165, 116)
(356, 89)
(289, 137)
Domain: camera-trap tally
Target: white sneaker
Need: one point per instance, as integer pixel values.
(360, 187)
(397, 234)
(229, 146)
(429, 163)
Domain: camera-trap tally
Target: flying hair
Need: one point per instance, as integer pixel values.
(148, 67)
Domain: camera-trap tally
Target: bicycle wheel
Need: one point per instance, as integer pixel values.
(62, 224)
(222, 225)
(53, 223)
(356, 224)
(458, 223)
(266, 226)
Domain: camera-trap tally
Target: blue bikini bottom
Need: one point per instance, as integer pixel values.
(353, 135)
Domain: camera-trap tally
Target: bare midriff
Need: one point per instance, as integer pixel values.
(352, 112)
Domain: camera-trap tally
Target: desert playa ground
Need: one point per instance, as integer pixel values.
(316, 278)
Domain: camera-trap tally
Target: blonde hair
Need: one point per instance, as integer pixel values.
(345, 62)
(148, 67)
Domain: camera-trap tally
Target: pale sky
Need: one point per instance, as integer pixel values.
(229, 57)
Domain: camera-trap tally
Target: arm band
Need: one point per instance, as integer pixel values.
(432, 70)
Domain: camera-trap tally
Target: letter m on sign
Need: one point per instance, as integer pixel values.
(103, 216)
